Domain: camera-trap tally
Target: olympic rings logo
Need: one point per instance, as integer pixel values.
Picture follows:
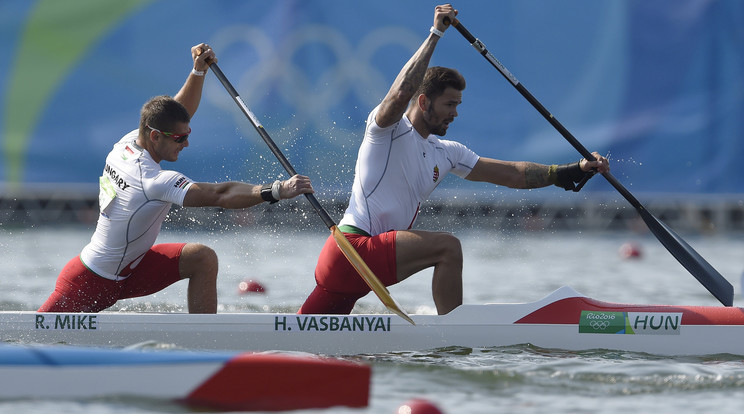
(599, 325)
(276, 69)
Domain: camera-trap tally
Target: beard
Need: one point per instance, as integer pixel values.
(435, 124)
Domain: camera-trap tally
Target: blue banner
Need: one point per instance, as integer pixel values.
(657, 85)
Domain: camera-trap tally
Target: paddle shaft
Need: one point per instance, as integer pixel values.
(686, 255)
(267, 139)
(346, 248)
(481, 48)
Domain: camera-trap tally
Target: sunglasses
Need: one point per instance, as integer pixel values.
(179, 138)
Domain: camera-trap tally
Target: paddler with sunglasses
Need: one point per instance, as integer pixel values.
(122, 260)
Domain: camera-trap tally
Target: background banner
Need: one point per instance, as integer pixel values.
(657, 85)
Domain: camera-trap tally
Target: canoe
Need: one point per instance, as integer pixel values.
(201, 380)
(565, 319)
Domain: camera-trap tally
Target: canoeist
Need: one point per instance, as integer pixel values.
(400, 162)
(121, 260)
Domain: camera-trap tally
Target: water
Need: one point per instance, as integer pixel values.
(499, 267)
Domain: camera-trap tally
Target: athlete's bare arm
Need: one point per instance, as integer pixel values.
(396, 101)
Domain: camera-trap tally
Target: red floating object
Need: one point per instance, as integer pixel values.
(419, 406)
(630, 251)
(251, 286)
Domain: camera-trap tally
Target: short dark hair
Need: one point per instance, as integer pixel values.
(437, 79)
(162, 112)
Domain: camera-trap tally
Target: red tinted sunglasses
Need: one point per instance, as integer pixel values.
(179, 138)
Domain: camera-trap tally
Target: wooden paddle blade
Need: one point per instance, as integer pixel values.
(366, 273)
(690, 259)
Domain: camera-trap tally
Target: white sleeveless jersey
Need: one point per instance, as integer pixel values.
(396, 170)
(135, 197)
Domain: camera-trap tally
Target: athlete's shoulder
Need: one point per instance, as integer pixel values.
(126, 150)
(374, 128)
(128, 138)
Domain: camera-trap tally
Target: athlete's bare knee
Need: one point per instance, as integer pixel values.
(450, 248)
(198, 259)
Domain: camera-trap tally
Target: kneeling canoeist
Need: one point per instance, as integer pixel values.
(121, 260)
(401, 161)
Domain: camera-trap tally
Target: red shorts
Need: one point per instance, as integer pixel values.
(339, 284)
(80, 290)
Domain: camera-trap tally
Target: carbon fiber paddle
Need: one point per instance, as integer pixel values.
(686, 255)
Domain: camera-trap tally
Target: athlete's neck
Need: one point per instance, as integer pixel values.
(418, 123)
(140, 142)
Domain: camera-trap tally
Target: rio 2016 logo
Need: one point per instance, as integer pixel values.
(639, 323)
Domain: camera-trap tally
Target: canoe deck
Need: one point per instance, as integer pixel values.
(565, 319)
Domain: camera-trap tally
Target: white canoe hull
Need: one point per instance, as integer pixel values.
(563, 320)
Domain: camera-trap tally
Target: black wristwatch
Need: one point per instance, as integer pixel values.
(266, 194)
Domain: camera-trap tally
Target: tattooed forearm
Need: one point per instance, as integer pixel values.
(406, 84)
(536, 175)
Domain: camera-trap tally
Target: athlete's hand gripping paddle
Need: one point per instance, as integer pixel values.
(343, 244)
(686, 255)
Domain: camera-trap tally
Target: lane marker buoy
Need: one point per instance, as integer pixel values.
(630, 251)
(419, 406)
(251, 286)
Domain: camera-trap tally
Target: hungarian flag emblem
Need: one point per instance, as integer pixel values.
(436, 173)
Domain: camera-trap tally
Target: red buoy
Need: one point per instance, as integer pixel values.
(630, 251)
(419, 406)
(251, 286)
